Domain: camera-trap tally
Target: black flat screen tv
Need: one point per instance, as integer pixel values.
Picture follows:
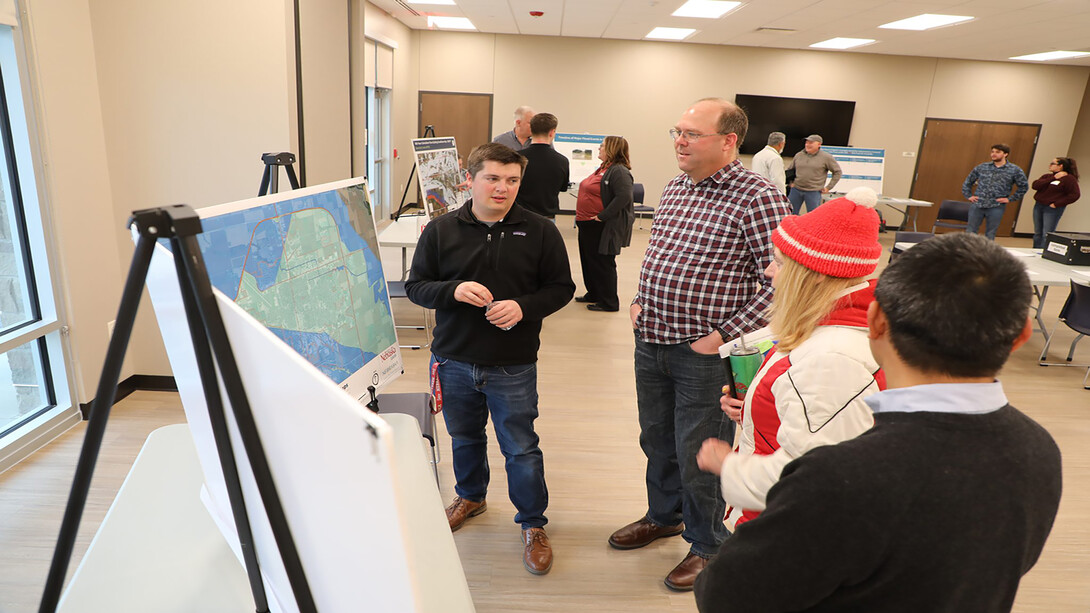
(797, 118)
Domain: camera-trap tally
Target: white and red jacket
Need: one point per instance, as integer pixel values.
(806, 398)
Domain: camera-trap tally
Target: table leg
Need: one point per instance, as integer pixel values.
(1041, 293)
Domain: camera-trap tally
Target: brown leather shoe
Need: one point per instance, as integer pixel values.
(538, 557)
(641, 533)
(683, 576)
(461, 509)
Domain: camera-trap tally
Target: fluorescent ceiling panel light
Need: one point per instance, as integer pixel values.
(1051, 55)
(443, 2)
(670, 33)
(450, 23)
(706, 9)
(842, 43)
(925, 22)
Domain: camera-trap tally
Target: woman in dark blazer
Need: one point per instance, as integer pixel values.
(604, 216)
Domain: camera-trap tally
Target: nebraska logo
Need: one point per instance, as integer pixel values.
(389, 353)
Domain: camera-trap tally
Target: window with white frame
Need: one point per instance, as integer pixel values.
(378, 150)
(33, 383)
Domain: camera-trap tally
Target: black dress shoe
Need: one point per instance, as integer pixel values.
(585, 298)
(598, 307)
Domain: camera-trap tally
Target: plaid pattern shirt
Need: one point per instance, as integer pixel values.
(704, 266)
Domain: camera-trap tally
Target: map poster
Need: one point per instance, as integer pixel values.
(860, 167)
(439, 175)
(305, 263)
(582, 153)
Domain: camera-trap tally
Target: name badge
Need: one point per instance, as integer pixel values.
(1056, 182)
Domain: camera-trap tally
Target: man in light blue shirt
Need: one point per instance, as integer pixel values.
(994, 181)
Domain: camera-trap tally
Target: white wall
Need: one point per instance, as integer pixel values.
(74, 179)
(638, 89)
(1077, 216)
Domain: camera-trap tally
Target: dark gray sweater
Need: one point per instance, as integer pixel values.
(924, 512)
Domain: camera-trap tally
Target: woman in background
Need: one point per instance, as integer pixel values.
(604, 217)
(1056, 189)
(810, 389)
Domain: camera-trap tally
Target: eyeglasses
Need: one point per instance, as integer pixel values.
(689, 135)
(1053, 163)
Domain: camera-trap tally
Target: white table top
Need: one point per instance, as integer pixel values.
(887, 200)
(159, 550)
(1041, 271)
(404, 232)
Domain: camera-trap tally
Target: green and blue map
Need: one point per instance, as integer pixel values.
(308, 269)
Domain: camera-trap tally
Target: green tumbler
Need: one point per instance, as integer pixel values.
(744, 364)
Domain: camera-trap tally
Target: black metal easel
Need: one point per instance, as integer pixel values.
(429, 132)
(180, 224)
(270, 178)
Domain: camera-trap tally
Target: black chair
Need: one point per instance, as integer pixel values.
(1075, 314)
(907, 237)
(953, 214)
(421, 406)
(639, 207)
(397, 290)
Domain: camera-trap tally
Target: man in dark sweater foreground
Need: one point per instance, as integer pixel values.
(947, 501)
(492, 271)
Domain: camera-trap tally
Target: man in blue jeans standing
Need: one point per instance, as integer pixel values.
(994, 181)
(701, 283)
(492, 271)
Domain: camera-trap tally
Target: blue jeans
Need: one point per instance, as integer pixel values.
(990, 216)
(678, 394)
(797, 196)
(509, 393)
(1045, 220)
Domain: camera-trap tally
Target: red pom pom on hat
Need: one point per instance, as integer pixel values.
(839, 238)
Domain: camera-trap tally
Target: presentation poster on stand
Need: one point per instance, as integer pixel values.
(860, 167)
(440, 177)
(582, 153)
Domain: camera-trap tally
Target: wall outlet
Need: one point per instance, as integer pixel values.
(110, 330)
(909, 154)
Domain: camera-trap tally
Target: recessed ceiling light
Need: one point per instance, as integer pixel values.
(842, 43)
(670, 33)
(707, 9)
(1051, 55)
(925, 22)
(450, 23)
(443, 2)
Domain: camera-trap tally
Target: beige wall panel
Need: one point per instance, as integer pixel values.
(459, 62)
(384, 66)
(1077, 216)
(323, 25)
(187, 127)
(76, 181)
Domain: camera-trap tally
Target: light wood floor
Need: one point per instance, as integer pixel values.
(594, 468)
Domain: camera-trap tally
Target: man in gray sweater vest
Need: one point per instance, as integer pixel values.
(811, 165)
(947, 501)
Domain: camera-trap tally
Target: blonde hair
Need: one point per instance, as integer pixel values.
(803, 299)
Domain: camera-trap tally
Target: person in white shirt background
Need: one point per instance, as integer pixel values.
(768, 162)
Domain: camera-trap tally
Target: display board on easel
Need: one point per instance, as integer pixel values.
(439, 175)
(582, 153)
(860, 167)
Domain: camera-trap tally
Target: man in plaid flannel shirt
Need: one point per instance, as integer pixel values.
(701, 284)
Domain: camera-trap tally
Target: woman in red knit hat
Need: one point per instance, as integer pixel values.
(809, 391)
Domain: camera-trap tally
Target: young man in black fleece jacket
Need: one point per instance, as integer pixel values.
(947, 501)
(492, 271)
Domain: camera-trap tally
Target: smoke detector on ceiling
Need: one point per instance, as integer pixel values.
(536, 13)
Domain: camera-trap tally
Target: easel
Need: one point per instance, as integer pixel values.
(180, 225)
(429, 132)
(270, 178)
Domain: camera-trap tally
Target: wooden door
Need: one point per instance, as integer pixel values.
(466, 117)
(950, 148)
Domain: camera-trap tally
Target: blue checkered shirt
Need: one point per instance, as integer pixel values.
(704, 266)
(995, 182)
